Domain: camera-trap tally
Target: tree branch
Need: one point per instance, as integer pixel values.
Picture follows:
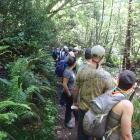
(59, 8)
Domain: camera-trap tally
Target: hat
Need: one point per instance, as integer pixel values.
(97, 51)
(88, 53)
(127, 79)
(76, 49)
(66, 48)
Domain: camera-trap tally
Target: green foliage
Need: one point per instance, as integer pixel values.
(136, 119)
(50, 120)
(48, 129)
(15, 91)
(30, 79)
(7, 118)
(28, 87)
(3, 135)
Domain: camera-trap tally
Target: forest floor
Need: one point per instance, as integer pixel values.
(63, 133)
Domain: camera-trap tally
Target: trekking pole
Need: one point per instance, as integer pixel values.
(132, 95)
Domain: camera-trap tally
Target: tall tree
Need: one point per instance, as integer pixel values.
(127, 49)
(111, 12)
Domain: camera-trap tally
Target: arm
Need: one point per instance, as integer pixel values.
(76, 90)
(66, 77)
(126, 120)
(75, 95)
(65, 86)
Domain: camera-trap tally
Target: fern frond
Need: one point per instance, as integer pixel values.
(3, 135)
(7, 118)
(5, 104)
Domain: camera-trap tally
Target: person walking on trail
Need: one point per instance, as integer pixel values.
(68, 84)
(91, 81)
(63, 53)
(87, 61)
(121, 114)
(87, 58)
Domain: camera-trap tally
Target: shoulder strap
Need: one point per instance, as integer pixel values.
(109, 132)
(131, 96)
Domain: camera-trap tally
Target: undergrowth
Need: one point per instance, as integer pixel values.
(27, 102)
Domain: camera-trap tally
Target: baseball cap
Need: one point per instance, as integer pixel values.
(127, 79)
(66, 48)
(88, 53)
(97, 51)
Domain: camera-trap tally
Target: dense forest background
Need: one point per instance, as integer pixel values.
(29, 29)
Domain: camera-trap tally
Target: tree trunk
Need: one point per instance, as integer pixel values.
(106, 38)
(86, 34)
(102, 19)
(126, 57)
(114, 37)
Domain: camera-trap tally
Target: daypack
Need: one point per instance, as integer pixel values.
(62, 55)
(54, 54)
(94, 122)
(60, 67)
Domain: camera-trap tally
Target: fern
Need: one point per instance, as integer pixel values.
(7, 118)
(16, 92)
(136, 119)
(2, 48)
(19, 67)
(3, 135)
(17, 108)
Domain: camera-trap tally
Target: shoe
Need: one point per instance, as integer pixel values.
(69, 125)
(74, 107)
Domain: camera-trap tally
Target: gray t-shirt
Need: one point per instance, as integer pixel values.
(69, 74)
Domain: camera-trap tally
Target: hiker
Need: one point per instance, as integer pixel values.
(121, 113)
(87, 58)
(68, 84)
(60, 67)
(91, 81)
(87, 61)
(70, 53)
(63, 53)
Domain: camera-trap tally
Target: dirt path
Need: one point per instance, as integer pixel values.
(63, 133)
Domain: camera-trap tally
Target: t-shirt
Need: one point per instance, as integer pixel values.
(71, 76)
(82, 65)
(92, 83)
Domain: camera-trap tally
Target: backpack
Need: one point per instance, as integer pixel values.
(60, 67)
(94, 122)
(62, 55)
(54, 54)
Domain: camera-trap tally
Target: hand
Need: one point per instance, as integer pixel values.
(69, 94)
